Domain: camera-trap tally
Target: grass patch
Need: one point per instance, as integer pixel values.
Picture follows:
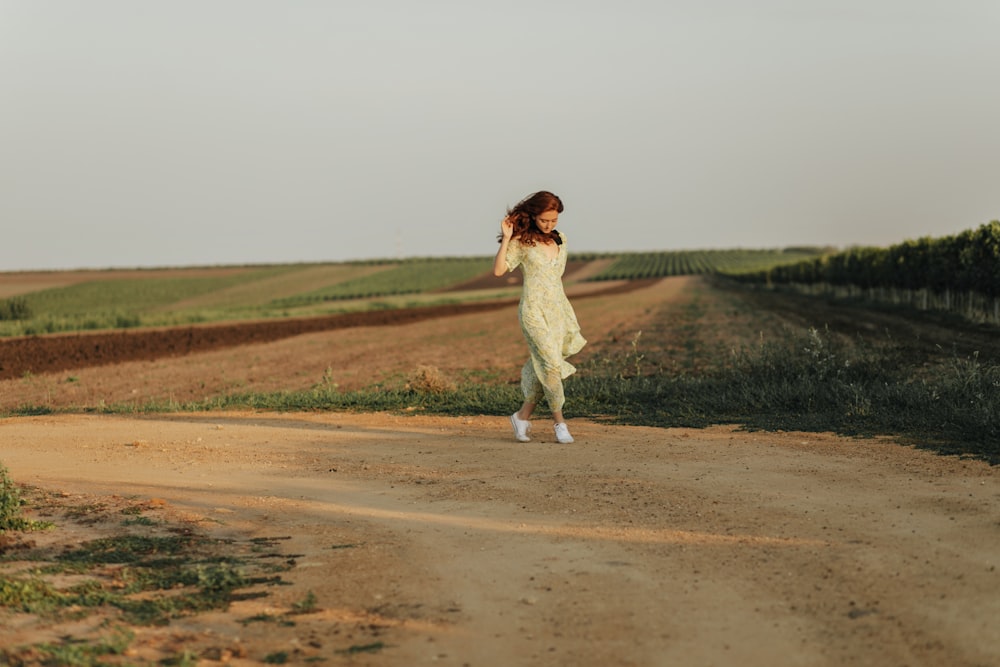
(374, 647)
(72, 652)
(812, 381)
(139, 576)
(187, 570)
(268, 618)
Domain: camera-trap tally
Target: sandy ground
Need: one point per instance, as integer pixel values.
(633, 546)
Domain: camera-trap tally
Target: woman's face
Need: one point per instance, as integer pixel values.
(547, 221)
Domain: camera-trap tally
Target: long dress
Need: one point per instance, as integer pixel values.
(547, 321)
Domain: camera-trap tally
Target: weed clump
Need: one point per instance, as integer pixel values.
(429, 380)
(11, 503)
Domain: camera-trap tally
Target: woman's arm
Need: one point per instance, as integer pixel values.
(500, 261)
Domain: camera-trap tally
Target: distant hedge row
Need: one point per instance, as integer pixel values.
(964, 262)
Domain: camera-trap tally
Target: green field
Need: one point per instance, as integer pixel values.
(98, 300)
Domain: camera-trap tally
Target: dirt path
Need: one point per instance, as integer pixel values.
(633, 546)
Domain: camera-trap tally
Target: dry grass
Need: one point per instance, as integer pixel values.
(429, 380)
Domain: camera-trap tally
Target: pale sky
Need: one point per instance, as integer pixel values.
(183, 132)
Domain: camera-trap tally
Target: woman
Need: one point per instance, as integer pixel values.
(528, 239)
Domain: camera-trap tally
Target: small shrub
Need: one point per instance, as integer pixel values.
(10, 503)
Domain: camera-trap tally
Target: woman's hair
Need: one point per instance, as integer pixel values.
(524, 213)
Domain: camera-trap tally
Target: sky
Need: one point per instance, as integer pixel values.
(217, 132)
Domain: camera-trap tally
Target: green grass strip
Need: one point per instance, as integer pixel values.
(409, 277)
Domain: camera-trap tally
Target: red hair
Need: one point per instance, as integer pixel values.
(527, 210)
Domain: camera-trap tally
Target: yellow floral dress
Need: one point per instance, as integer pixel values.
(547, 321)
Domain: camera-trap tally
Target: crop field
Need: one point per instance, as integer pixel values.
(412, 277)
(632, 266)
(49, 302)
(286, 281)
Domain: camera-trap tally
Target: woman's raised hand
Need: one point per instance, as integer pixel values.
(500, 261)
(507, 227)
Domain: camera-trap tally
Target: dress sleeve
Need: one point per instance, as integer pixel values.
(515, 252)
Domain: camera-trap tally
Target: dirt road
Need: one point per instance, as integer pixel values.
(452, 544)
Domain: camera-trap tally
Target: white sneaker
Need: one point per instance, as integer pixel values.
(562, 433)
(521, 428)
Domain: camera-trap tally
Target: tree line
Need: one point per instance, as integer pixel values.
(960, 272)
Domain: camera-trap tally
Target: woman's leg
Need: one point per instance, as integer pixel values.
(520, 420)
(550, 386)
(534, 389)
